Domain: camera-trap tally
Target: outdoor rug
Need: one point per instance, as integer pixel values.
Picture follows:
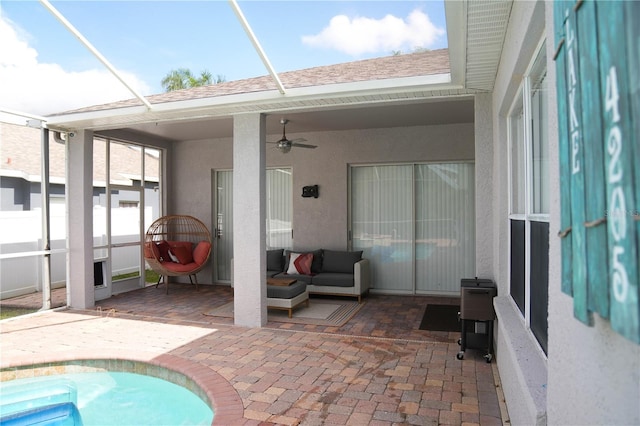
(441, 318)
(320, 312)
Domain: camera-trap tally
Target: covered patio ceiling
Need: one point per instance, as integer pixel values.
(476, 31)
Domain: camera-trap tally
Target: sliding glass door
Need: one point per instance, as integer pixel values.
(416, 224)
(279, 213)
(445, 226)
(382, 223)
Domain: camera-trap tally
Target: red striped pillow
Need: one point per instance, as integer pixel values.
(300, 263)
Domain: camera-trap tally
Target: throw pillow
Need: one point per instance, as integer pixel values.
(201, 252)
(151, 251)
(182, 255)
(173, 257)
(164, 248)
(316, 265)
(274, 260)
(300, 263)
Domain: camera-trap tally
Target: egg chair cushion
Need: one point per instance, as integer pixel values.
(201, 252)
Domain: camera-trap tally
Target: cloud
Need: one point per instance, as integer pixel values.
(30, 86)
(362, 35)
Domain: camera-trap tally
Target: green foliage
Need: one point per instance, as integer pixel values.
(183, 78)
(150, 276)
(10, 312)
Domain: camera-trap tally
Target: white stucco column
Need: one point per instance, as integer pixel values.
(80, 282)
(249, 241)
(483, 131)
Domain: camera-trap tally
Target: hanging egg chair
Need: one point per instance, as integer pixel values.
(177, 245)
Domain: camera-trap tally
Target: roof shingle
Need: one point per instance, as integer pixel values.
(388, 67)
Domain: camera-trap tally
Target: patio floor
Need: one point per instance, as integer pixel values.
(377, 369)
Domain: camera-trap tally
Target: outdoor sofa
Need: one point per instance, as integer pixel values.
(330, 272)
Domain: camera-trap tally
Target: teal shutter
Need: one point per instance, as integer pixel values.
(573, 80)
(598, 110)
(632, 14)
(595, 225)
(563, 147)
(619, 142)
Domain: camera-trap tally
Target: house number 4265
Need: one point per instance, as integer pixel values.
(617, 218)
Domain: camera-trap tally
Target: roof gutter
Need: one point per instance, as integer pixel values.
(256, 45)
(93, 50)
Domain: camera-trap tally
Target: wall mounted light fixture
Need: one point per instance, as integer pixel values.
(310, 191)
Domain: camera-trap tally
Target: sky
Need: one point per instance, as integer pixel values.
(44, 69)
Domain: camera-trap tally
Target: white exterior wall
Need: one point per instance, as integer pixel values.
(249, 227)
(321, 222)
(591, 375)
(594, 373)
(484, 186)
(521, 362)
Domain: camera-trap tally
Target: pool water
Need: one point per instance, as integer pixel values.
(113, 398)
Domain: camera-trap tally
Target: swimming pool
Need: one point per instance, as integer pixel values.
(109, 398)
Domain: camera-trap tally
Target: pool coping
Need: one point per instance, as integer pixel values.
(210, 386)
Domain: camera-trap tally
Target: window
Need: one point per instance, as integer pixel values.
(529, 199)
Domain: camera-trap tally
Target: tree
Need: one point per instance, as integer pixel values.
(183, 78)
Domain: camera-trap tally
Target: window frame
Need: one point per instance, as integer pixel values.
(520, 113)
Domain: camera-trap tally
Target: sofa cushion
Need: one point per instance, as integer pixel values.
(340, 261)
(304, 278)
(333, 279)
(287, 291)
(274, 260)
(300, 263)
(316, 265)
(179, 267)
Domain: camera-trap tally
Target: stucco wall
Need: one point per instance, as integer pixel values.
(594, 373)
(321, 222)
(521, 362)
(591, 375)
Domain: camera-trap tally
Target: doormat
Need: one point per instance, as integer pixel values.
(334, 313)
(441, 318)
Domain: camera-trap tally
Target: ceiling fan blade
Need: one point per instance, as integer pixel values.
(298, 140)
(303, 145)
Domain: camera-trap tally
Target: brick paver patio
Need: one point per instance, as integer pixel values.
(377, 369)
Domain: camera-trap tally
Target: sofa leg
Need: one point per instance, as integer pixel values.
(290, 312)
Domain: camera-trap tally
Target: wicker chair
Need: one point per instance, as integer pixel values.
(177, 245)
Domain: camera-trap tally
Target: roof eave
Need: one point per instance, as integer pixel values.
(455, 12)
(263, 101)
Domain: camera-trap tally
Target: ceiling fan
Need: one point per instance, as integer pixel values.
(285, 145)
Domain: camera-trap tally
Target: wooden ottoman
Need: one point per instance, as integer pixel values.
(286, 294)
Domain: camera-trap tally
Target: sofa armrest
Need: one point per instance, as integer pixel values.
(362, 276)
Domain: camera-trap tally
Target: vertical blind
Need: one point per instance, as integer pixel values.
(279, 208)
(224, 225)
(445, 226)
(416, 224)
(279, 214)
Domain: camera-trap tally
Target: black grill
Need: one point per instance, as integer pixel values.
(476, 315)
